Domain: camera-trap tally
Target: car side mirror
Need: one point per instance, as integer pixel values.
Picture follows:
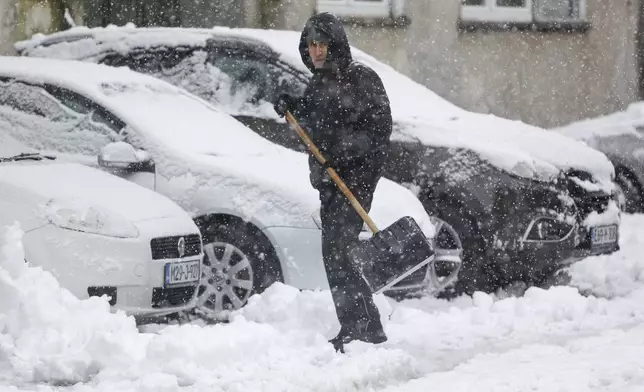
(121, 155)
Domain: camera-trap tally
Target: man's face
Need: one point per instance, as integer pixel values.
(317, 52)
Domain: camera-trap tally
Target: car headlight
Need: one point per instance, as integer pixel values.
(549, 229)
(91, 219)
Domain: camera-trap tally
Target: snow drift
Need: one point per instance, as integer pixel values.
(544, 341)
(47, 334)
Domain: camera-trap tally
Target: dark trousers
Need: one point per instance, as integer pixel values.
(341, 226)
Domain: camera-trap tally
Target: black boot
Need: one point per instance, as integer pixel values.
(374, 334)
(339, 340)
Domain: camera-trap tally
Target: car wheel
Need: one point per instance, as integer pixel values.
(444, 271)
(476, 274)
(238, 262)
(628, 192)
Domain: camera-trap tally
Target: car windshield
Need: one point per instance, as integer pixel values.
(11, 149)
(181, 120)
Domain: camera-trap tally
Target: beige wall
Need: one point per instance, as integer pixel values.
(20, 19)
(544, 79)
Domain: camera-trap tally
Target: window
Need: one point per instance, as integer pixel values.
(559, 10)
(362, 8)
(253, 80)
(497, 10)
(524, 11)
(30, 100)
(52, 119)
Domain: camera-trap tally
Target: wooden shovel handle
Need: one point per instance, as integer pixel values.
(334, 175)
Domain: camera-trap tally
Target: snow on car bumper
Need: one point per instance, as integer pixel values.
(132, 268)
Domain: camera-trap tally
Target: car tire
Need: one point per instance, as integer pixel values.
(239, 261)
(476, 273)
(629, 191)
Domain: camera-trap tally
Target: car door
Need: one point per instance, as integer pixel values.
(62, 122)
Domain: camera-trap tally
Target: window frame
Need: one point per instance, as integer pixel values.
(527, 16)
(356, 8)
(491, 12)
(384, 13)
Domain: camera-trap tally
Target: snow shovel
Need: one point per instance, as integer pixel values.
(390, 255)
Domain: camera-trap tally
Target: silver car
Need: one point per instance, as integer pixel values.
(620, 136)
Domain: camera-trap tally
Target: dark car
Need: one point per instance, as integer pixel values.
(524, 201)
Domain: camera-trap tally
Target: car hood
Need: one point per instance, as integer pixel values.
(278, 183)
(73, 185)
(525, 151)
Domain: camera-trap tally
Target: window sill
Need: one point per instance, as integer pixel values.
(402, 21)
(546, 27)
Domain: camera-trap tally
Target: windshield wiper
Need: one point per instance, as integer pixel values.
(34, 156)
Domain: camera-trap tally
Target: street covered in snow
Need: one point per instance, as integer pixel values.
(546, 340)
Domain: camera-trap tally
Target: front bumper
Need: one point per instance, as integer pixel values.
(91, 265)
(532, 261)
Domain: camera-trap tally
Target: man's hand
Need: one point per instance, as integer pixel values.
(285, 103)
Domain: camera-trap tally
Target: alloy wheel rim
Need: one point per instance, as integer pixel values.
(226, 279)
(453, 257)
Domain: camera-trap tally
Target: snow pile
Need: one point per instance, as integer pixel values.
(547, 340)
(47, 334)
(619, 274)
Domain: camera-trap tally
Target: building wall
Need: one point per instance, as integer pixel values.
(20, 19)
(171, 13)
(542, 78)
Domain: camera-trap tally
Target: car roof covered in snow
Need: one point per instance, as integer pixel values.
(421, 114)
(625, 122)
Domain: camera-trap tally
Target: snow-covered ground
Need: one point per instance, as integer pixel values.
(547, 340)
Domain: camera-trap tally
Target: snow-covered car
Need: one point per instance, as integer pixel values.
(251, 199)
(619, 135)
(524, 201)
(99, 234)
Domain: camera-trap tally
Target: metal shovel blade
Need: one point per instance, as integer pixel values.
(392, 254)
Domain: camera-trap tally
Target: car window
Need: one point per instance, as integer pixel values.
(29, 99)
(95, 115)
(255, 79)
(53, 119)
(149, 61)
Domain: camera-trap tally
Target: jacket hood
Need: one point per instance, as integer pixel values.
(339, 56)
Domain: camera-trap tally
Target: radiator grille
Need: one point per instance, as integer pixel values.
(168, 247)
(170, 297)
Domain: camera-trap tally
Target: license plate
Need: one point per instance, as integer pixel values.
(603, 235)
(180, 273)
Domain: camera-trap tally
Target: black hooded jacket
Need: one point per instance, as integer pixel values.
(345, 107)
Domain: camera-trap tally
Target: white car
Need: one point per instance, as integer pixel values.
(100, 235)
(251, 199)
